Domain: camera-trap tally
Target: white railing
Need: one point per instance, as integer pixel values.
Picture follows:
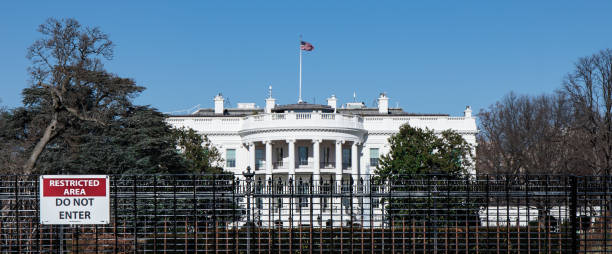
(329, 116)
(303, 116)
(302, 120)
(278, 116)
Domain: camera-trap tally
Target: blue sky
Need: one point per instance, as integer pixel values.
(429, 56)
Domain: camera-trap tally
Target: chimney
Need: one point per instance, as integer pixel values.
(383, 104)
(331, 101)
(219, 104)
(270, 102)
(467, 112)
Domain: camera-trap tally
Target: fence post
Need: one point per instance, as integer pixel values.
(194, 207)
(573, 212)
(116, 216)
(248, 175)
(235, 183)
(17, 213)
(135, 213)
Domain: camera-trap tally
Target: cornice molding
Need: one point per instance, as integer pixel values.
(301, 129)
(391, 132)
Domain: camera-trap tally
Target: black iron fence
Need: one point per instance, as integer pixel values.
(317, 214)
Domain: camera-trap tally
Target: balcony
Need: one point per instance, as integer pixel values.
(278, 164)
(327, 164)
(346, 165)
(302, 120)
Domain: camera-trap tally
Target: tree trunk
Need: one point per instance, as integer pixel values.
(49, 134)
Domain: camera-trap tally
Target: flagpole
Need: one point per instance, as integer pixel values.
(300, 48)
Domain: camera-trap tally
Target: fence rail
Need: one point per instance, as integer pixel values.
(253, 214)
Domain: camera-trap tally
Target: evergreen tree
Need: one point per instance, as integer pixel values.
(428, 166)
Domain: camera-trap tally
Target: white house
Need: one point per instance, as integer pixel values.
(332, 141)
(311, 142)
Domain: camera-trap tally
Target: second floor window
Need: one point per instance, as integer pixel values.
(230, 158)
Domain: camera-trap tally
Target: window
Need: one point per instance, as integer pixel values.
(374, 157)
(260, 158)
(346, 158)
(326, 153)
(259, 190)
(230, 158)
(303, 155)
(303, 190)
(279, 157)
(325, 189)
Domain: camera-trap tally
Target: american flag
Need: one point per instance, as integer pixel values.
(306, 46)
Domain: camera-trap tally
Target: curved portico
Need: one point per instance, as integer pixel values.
(304, 144)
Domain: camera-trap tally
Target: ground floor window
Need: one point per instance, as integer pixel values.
(303, 155)
(230, 158)
(374, 157)
(260, 158)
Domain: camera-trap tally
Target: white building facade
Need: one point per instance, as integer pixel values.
(311, 142)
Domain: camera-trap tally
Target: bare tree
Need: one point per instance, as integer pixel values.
(589, 88)
(69, 84)
(523, 134)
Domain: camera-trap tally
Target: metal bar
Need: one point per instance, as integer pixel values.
(17, 220)
(135, 210)
(234, 218)
(37, 205)
(573, 219)
(115, 208)
(194, 213)
(419, 214)
(154, 213)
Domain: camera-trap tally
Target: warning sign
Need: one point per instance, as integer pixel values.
(74, 199)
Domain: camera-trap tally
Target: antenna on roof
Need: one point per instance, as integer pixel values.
(354, 96)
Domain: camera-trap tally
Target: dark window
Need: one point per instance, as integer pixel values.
(303, 155)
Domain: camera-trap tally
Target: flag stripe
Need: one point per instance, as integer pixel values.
(306, 46)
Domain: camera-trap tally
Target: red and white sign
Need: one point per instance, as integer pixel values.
(74, 199)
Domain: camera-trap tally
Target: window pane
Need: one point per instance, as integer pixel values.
(346, 155)
(374, 157)
(303, 155)
(260, 158)
(230, 157)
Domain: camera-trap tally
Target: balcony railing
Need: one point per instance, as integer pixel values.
(275, 120)
(327, 164)
(346, 165)
(277, 164)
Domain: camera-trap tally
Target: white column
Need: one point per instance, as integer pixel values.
(355, 176)
(337, 202)
(316, 177)
(339, 160)
(354, 162)
(291, 144)
(316, 174)
(268, 158)
(252, 161)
